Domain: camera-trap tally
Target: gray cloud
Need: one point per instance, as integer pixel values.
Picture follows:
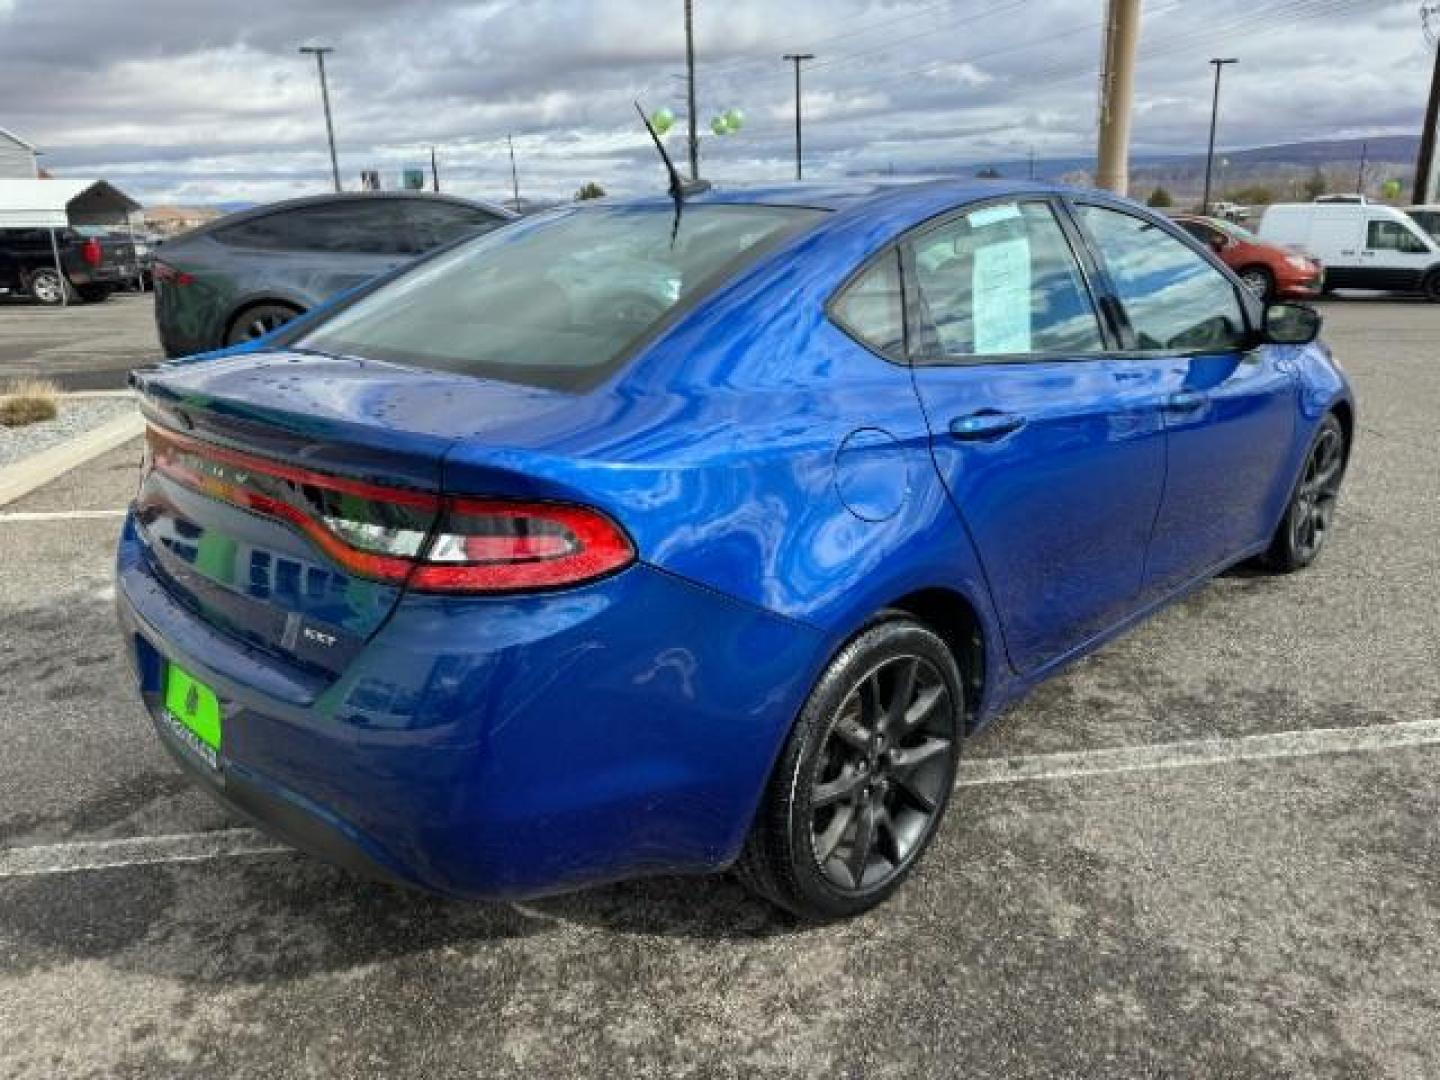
(199, 100)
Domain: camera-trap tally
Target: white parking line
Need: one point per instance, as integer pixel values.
(61, 515)
(134, 851)
(72, 857)
(1182, 755)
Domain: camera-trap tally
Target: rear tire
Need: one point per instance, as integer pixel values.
(256, 322)
(49, 288)
(94, 294)
(1259, 281)
(865, 776)
(1306, 525)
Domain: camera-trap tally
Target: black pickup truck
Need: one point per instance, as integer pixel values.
(95, 262)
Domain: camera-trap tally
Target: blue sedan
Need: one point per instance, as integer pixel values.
(644, 538)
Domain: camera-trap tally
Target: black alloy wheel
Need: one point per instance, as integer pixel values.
(885, 769)
(865, 776)
(1308, 519)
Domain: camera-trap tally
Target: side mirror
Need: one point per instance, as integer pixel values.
(1291, 324)
(1218, 244)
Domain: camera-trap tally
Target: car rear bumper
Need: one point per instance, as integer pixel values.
(497, 747)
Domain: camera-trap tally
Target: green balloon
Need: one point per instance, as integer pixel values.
(734, 119)
(720, 126)
(662, 120)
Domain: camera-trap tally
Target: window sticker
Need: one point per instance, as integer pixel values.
(1000, 285)
(993, 215)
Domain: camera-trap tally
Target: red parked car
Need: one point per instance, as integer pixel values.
(1271, 272)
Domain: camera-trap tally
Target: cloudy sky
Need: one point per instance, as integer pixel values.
(204, 101)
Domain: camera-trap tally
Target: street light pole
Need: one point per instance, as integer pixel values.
(514, 176)
(319, 52)
(690, 89)
(797, 59)
(1214, 113)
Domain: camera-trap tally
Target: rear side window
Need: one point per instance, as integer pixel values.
(1173, 297)
(871, 307)
(435, 223)
(1001, 281)
(351, 226)
(555, 301)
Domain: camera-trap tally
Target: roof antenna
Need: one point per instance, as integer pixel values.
(678, 188)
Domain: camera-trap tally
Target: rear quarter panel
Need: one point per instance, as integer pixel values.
(720, 451)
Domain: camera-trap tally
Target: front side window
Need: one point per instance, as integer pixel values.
(1001, 281)
(555, 301)
(871, 307)
(1202, 232)
(1386, 235)
(1175, 299)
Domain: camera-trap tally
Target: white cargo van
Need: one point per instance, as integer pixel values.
(1363, 245)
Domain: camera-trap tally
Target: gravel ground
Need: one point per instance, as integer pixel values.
(77, 416)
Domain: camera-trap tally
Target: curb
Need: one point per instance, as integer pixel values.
(94, 395)
(39, 469)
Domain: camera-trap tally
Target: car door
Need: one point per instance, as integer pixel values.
(1053, 461)
(1228, 403)
(1395, 255)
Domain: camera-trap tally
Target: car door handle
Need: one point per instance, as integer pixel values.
(987, 424)
(1186, 401)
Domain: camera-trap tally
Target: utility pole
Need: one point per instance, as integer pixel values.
(1214, 113)
(1117, 93)
(1032, 163)
(319, 52)
(690, 89)
(1425, 167)
(434, 172)
(797, 59)
(1360, 173)
(514, 176)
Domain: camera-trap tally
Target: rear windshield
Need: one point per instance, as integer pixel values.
(558, 301)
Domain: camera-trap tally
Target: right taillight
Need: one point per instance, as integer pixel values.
(161, 271)
(91, 253)
(430, 542)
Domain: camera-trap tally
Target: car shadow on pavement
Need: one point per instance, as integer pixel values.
(259, 919)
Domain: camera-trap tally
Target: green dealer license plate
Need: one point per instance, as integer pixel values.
(192, 714)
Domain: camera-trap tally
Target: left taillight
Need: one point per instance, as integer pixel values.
(487, 545)
(161, 271)
(91, 253)
(429, 542)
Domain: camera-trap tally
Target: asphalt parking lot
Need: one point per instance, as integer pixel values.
(80, 347)
(1209, 850)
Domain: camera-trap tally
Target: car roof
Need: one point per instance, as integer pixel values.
(344, 196)
(899, 200)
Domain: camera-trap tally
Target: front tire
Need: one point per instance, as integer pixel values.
(865, 776)
(1306, 526)
(1259, 281)
(1431, 286)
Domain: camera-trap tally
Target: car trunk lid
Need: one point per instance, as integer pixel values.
(285, 496)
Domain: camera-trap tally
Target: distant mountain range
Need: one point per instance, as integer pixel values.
(1278, 166)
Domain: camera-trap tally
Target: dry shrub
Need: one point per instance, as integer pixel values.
(28, 401)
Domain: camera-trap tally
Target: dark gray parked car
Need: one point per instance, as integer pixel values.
(247, 273)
